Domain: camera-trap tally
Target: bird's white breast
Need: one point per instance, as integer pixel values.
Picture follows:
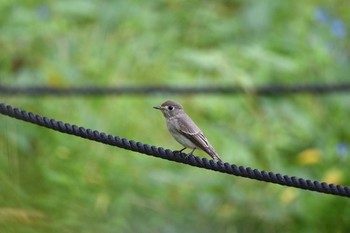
(173, 128)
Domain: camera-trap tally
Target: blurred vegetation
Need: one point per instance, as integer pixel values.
(52, 182)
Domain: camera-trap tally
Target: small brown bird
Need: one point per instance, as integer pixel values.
(184, 130)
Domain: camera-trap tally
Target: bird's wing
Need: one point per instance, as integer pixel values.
(191, 131)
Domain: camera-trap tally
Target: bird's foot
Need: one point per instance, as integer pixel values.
(189, 154)
(179, 151)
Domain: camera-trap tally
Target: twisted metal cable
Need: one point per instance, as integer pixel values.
(268, 90)
(160, 152)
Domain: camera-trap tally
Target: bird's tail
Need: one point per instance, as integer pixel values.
(213, 154)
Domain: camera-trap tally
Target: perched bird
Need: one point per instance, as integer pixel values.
(184, 130)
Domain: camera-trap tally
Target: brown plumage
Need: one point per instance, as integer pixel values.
(184, 130)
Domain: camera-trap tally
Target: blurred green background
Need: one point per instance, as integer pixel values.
(50, 182)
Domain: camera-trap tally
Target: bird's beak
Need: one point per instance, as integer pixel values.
(157, 107)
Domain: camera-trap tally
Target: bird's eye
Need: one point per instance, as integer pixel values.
(170, 108)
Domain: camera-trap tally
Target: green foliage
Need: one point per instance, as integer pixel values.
(58, 183)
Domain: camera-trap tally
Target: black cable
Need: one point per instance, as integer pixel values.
(160, 152)
(268, 90)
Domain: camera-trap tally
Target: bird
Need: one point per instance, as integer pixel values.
(184, 130)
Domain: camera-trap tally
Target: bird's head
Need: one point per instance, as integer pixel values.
(170, 108)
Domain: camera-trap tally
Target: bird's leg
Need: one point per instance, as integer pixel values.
(179, 151)
(191, 153)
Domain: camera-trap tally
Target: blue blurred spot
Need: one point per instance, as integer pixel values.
(321, 15)
(338, 28)
(43, 12)
(342, 149)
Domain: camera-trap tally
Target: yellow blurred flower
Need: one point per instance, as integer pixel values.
(333, 176)
(309, 156)
(20, 216)
(102, 203)
(226, 210)
(288, 195)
